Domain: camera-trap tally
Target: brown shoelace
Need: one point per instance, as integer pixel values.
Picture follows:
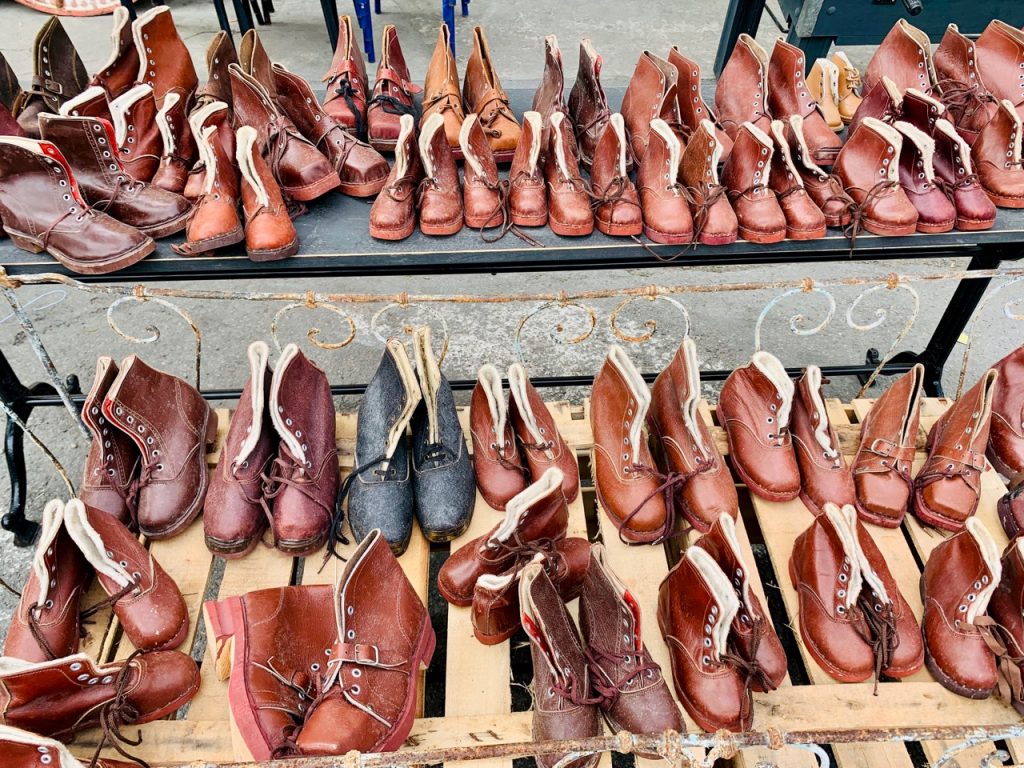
(279, 478)
(612, 195)
(877, 625)
(999, 640)
(502, 206)
(669, 484)
(961, 99)
(639, 662)
(858, 210)
(116, 714)
(488, 119)
(709, 195)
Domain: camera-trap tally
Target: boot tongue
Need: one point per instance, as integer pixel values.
(400, 360)
(839, 521)
(989, 553)
(725, 600)
(490, 383)
(639, 393)
(53, 519)
(532, 621)
(690, 400)
(343, 599)
(430, 380)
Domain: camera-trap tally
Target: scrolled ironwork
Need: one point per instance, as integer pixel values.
(796, 321)
(403, 304)
(154, 331)
(650, 324)
(557, 333)
(313, 333)
(881, 316)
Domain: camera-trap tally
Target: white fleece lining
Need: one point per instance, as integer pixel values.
(868, 574)
(691, 415)
(164, 124)
(471, 159)
(932, 102)
(208, 156)
(493, 582)
(517, 381)
(294, 446)
(245, 142)
(925, 147)
(724, 594)
(433, 124)
(894, 138)
(556, 127)
(765, 141)
(778, 129)
(944, 126)
(716, 153)
(675, 149)
(64, 758)
(140, 44)
(401, 156)
(412, 397)
(841, 55)
(120, 18)
(638, 388)
(201, 115)
(259, 358)
(821, 432)
(68, 107)
(1007, 105)
(772, 368)
(848, 541)
(429, 377)
(830, 73)
(526, 578)
(53, 518)
(534, 121)
(728, 526)
(519, 504)
(619, 126)
(755, 48)
(91, 544)
(796, 123)
(490, 383)
(119, 108)
(990, 554)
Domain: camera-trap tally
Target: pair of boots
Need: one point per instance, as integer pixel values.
(383, 493)
(278, 467)
(147, 461)
(834, 83)
(77, 541)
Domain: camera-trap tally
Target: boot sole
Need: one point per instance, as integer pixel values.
(712, 239)
(213, 243)
(753, 487)
(935, 229)
(570, 230)
(167, 228)
(974, 225)
(756, 236)
(273, 254)
(441, 229)
(879, 520)
(887, 230)
(805, 234)
(229, 550)
(304, 548)
(488, 223)
(529, 221)
(441, 537)
(667, 238)
(1005, 202)
(393, 234)
(619, 230)
(314, 190)
(121, 261)
(366, 189)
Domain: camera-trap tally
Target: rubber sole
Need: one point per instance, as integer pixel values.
(230, 551)
(365, 189)
(212, 243)
(667, 238)
(314, 190)
(879, 520)
(441, 229)
(113, 264)
(805, 234)
(887, 230)
(393, 234)
(756, 236)
(722, 239)
(569, 230)
(974, 225)
(274, 254)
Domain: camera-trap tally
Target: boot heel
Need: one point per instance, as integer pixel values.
(25, 243)
(211, 430)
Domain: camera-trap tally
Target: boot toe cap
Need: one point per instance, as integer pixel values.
(167, 679)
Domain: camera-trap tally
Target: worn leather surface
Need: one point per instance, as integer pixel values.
(483, 95)
(804, 219)
(666, 211)
(269, 232)
(651, 94)
(745, 176)
(215, 221)
(824, 474)
(905, 56)
(956, 65)
(692, 107)
(569, 212)
(618, 211)
(823, 188)
(345, 81)
(393, 92)
(974, 208)
(996, 155)
(27, 750)
(481, 193)
(742, 91)
(1006, 430)
(497, 461)
(788, 94)
(713, 217)
(140, 143)
(1000, 53)
(220, 54)
(113, 459)
(393, 213)
(441, 93)
(549, 97)
(440, 196)
(122, 67)
(58, 75)
(588, 105)
(935, 211)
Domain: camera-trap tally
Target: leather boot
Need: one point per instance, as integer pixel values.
(254, 61)
(588, 106)
(89, 146)
(958, 581)
(881, 469)
(883, 102)
(393, 214)
(440, 196)
(536, 519)
(380, 487)
(745, 176)
(59, 75)
(868, 167)
(1006, 609)
(953, 167)
(617, 211)
(549, 98)
(302, 172)
(363, 172)
(62, 697)
(651, 93)
(947, 488)
(569, 212)
(45, 624)
(214, 223)
(919, 109)
(742, 92)
(497, 463)
(10, 88)
(823, 188)
(564, 707)
(528, 193)
(113, 460)
(752, 630)
(630, 489)
(1000, 53)
(935, 211)
(823, 471)
(636, 697)
(823, 86)
(92, 102)
(849, 86)
(220, 54)
(692, 107)
(171, 425)
(164, 61)
(121, 70)
(804, 219)
(233, 518)
(136, 131)
(1006, 432)
(788, 94)
(538, 434)
(369, 683)
(346, 84)
(392, 94)
(38, 194)
(1010, 509)
(905, 56)
(484, 96)
(714, 221)
(441, 93)
(26, 750)
(963, 88)
(997, 157)
(697, 607)
(179, 146)
(218, 114)
(685, 444)
(145, 599)
(303, 480)
(443, 485)
(269, 233)
(666, 211)
(482, 195)
(754, 407)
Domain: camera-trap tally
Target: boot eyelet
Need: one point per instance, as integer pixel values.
(962, 608)
(971, 597)
(843, 577)
(131, 139)
(49, 603)
(107, 680)
(351, 634)
(840, 609)
(288, 422)
(110, 472)
(707, 642)
(841, 593)
(141, 429)
(62, 182)
(625, 457)
(160, 467)
(771, 420)
(45, 759)
(706, 660)
(315, 666)
(67, 197)
(977, 585)
(83, 677)
(93, 681)
(984, 579)
(149, 440)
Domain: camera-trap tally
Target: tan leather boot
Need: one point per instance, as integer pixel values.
(218, 114)
(269, 233)
(651, 94)
(788, 94)
(138, 135)
(714, 220)
(528, 192)
(849, 86)
(215, 222)
(484, 96)
(440, 196)
(823, 85)
(618, 204)
(997, 157)
(745, 176)
(663, 199)
(742, 92)
(483, 198)
(588, 105)
(179, 148)
(692, 107)
(346, 84)
(393, 214)
(441, 94)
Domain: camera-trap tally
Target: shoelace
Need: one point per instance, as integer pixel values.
(609, 690)
(447, 101)
(37, 631)
(393, 106)
(44, 238)
(503, 189)
(335, 534)
(347, 92)
(858, 210)
(487, 120)
(668, 485)
(571, 692)
(709, 195)
(612, 194)
(121, 184)
(878, 628)
(504, 462)
(279, 478)
(752, 667)
(962, 99)
(523, 552)
(999, 640)
(116, 714)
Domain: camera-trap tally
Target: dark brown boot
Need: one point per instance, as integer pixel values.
(481, 193)
(179, 147)
(121, 71)
(588, 106)
(135, 128)
(549, 97)
(219, 56)
(59, 75)
(825, 189)
(393, 214)
(346, 82)
(692, 107)
(269, 233)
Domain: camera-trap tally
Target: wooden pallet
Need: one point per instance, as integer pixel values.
(478, 684)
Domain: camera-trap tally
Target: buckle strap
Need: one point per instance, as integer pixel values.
(391, 76)
(347, 68)
(48, 85)
(882, 447)
(364, 655)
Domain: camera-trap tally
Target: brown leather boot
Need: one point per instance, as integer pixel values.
(823, 86)
(868, 167)
(958, 582)
(905, 56)
(528, 192)
(804, 219)
(441, 93)
(41, 209)
(935, 211)
(10, 88)
(484, 96)
(692, 107)
(825, 477)
(179, 146)
(1010, 509)
(218, 114)
(1000, 52)
(997, 157)
(685, 444)
(883, 102)
(121, 70)
(714, 220)
(974, 208)
(269, 233)
(1006, 609)
(92, 102)
(823, 188)
(549, 98)
(497, 463)
(46, 625)
(89, 146)
(755, 407)
(482, 196)
(138, 136)
(651, 93)
(588, 106)
(617, 210)
(171, 425)
(145, 599)
(1006, 432)
(363, 172)
(569, 212)
(663, 199)
(742, 92)
(370, 680)
(565, 707)
(745, 176)
(947, 488)
(788, 94)
(440, 196)
(59, 75)
(26, 750)
(850, 84)
(392, 94)
(220, 54)
(630, 489)
(346, 82)
(970, 103)
(215, 223)
(888, 435)
(393, 214)
(164, 61)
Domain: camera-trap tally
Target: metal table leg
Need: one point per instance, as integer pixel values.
(222, 16)
(741, 16)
